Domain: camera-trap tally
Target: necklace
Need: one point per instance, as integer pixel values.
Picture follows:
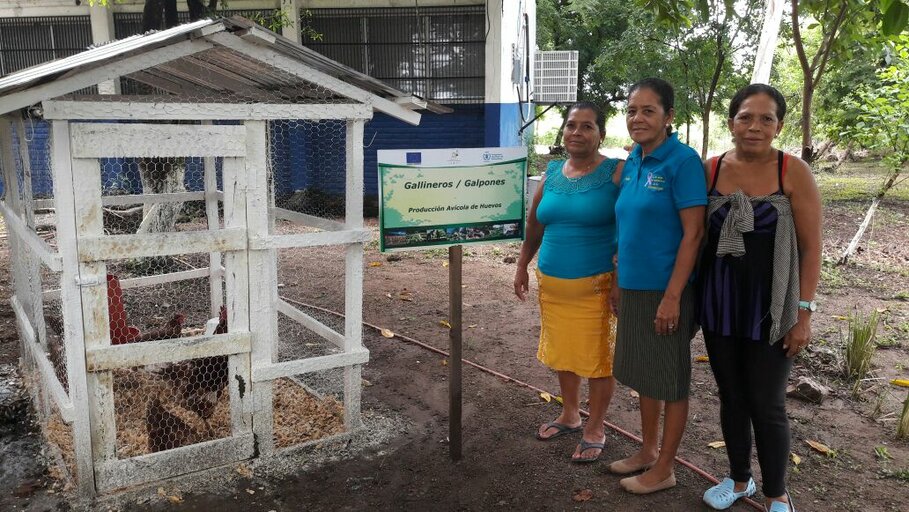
(585, 171)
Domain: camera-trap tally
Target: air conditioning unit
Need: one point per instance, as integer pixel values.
(555, 77)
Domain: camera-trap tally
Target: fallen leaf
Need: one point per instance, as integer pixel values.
(821, 447)
(634, 394)
(559, 400)
(839, 317)
(796, 459)
(702, 359)
(161, 491)
(388, 295)
(405, 295)
(583, 495)
(250, 491)
(444, 263)
(445, 323)
(546, 396)
(471, 326)
(444, 362)
(900, 382)
(375, 263)
(366, 383)
(387, 333)
(716, 444)
(175, 499)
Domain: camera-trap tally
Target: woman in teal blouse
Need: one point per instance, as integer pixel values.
(572, 223)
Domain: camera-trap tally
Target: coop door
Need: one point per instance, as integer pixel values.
(163, 214)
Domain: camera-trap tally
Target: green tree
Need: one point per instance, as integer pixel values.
(841, 23)
(617, 44)
(882, 123)
(705, 51)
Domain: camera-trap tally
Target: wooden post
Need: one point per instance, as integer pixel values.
(215, 276)
(236, 283)
(92, 282)
(71, 301)
(353, 273)
(263, 283)
(454, 363)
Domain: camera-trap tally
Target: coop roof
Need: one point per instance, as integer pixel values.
(219, 61)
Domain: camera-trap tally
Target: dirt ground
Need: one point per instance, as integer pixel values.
(503, 466)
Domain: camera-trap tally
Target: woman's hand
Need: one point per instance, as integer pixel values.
(614, 297)
(521, 281)
(799, 336)
(667, 316)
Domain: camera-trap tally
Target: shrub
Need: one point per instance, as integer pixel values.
(860, 345)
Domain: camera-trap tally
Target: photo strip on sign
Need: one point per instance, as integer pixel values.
(444, 197)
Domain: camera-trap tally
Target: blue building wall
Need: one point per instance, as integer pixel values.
(311, 155)
(503, 121)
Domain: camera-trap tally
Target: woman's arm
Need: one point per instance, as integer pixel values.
(692, 233)
(533, 237)
(807, 214)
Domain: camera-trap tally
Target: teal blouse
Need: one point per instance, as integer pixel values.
(578, 215)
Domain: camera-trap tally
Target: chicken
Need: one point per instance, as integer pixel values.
(166, 431)
(172, 329)
(201, 382)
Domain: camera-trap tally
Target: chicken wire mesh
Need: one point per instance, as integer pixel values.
(307, 164)
(302, 414)
(167, 406)
(123, 179)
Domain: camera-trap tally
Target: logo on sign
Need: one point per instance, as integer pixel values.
(492, 157)
(414, 158)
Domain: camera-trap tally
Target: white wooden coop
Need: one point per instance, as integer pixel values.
(179, 172)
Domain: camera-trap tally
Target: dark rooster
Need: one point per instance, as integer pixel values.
(166, 431)
(201, 382)
(172, 329)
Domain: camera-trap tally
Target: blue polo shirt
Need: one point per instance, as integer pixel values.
(654, 189)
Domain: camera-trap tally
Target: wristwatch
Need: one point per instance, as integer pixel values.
(808, 305)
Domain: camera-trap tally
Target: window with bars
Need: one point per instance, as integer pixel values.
(434, 52)
(32, 40)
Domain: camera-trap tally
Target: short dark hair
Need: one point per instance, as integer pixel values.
(750, 90)
(588, 105)
(662, 89)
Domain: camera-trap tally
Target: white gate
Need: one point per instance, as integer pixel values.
(127, 378)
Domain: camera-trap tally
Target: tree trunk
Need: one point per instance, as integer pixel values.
(161, 176)
(558, 139)
(705, 119)
(807, 96)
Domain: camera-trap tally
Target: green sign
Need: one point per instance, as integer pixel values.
(443, 197)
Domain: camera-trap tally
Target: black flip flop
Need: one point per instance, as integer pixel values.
(586, 445)
(561, 430)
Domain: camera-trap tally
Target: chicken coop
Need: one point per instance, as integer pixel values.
(185, 213)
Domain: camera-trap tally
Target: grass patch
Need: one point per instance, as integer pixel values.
(860, 345)
(898, 474)
(856, 181)
(832, 275)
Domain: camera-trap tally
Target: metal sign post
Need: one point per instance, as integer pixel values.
(454, 363)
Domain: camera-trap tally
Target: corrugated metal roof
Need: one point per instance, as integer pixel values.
(96, 54)
(218, 71)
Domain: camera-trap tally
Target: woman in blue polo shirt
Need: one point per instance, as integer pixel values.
(660, 217)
